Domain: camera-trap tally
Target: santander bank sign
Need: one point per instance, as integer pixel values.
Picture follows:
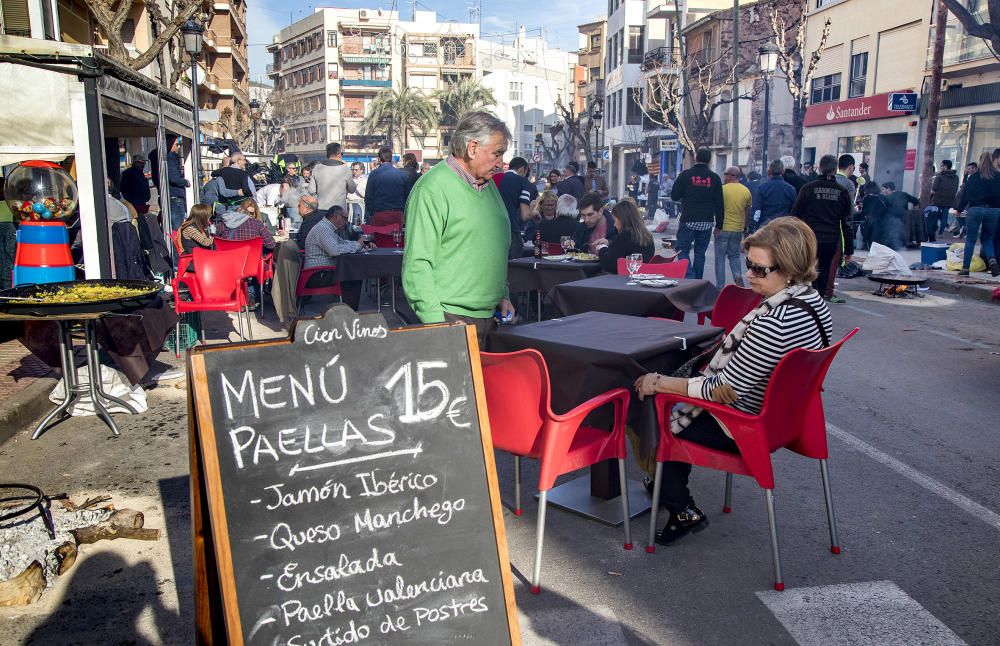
(859, 109)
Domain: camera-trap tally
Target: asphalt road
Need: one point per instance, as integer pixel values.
(912, 404)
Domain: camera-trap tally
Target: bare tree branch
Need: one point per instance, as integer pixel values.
(110, 16)
(989, 31)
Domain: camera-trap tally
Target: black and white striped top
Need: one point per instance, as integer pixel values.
(767, 339)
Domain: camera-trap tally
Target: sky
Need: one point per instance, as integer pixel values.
(557, 22)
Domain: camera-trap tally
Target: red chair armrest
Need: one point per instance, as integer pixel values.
(619, 395)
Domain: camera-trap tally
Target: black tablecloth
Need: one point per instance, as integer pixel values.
(526, 274)
(376, 263)
(609, 293)
(591, 353)
(133, 340)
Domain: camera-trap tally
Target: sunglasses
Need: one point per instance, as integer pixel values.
(759, 271)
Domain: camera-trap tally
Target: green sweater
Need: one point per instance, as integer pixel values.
(457, 238)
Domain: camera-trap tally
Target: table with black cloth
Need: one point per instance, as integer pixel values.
(588, 354)
(609, 293)
(541, 275)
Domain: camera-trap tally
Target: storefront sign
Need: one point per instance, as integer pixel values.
(910, 160)
(668, 144)
(860, 109)
(903, 102)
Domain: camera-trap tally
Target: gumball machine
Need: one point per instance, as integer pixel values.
(42, 196)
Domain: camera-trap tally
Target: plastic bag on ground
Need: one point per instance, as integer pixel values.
(956, 254)
(113, 383)
(883, 260)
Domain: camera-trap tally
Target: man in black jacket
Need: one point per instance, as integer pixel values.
(571, 183)
(790, 176)
(944, 188)
(699, 191)
(825, 206)
(134, 185)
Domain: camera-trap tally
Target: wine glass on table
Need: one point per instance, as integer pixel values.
(567, 243)
(632, 263)
(397, 237)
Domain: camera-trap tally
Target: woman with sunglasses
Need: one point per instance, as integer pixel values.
(781, 265)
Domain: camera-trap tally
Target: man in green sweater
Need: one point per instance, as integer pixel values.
(458, 233)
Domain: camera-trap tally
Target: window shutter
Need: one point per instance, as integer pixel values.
(15, 18)
(831, 62)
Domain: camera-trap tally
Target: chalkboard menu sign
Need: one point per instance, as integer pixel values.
(350, 488)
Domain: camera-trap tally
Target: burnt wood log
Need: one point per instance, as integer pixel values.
(124, 523)
(25, 588)
(66, 556)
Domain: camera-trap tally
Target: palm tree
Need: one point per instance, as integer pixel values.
(464, 96)
(397, 112)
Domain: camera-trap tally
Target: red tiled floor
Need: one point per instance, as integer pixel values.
(18, 368)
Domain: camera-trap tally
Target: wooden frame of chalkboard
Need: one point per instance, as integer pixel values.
(224, 556)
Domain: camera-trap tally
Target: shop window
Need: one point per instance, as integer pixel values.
(859, 74)
(825, 89)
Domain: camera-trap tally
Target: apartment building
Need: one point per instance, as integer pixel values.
(969, 121)
(528, 78)
(868, 55)
(223, 90)
(328, 67)
(591, 59)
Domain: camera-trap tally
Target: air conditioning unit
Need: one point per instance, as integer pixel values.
(362, 15)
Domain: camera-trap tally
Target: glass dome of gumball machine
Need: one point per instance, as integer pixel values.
(43, 197)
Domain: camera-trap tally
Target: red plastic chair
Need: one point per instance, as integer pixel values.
(677, 269)
(323, 285)
(387, 218)
(791, 417)
(257, 265)
(733, 303)
(215, 285)
(383, 235)
(522, 423)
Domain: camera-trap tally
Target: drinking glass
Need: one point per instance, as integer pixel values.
(632, 263)
(397, 237)
(567, 244)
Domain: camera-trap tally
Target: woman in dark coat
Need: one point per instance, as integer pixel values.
(633, 237)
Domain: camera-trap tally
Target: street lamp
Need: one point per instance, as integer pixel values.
(255, 115)
(193, 33)
(767, 62)
(596, 116)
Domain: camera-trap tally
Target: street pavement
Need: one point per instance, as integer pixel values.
(912, 411)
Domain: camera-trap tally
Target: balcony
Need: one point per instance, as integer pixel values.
(272, 69)
(594, 89)
(364, 142)
(365, 83)
(347, 113)
(369, 59)
(717, 133)
(355, 46)
(660, 57)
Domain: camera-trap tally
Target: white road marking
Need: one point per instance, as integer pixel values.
(863, 311)
(937, 488)
(959, 339)
(876, 612)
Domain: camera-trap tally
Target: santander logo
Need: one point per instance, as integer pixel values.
(831, 115)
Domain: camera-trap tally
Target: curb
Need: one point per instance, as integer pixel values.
(982, 293)
(25, 407)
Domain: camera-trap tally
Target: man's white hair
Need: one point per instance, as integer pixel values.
(788, 161)
(476, 126)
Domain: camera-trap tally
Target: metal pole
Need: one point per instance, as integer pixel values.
(767, 122)
(734, 132)
(196, 144)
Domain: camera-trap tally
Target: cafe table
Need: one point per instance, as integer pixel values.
(373, 263)
(588, 354)
(609, 293)
(541, 275)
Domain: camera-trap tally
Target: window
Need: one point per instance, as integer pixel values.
(823, 3)
(859, 73)
(536, 95)
(331, 39)
(595, 42)
(515, 91)
(621, 46)
(332, 71)
(595, 73)
(635, 46)
(529, 128)
(333, 101)
(607, 58)
(825, 89)
(633, 113)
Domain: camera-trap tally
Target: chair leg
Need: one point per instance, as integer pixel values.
(779, 583)
(624, 487)
(536, 577)
(239, 318)
(177, 339)
(517, 485)
(249, 325)
(651, 545)
(831, 519)
(727, 506)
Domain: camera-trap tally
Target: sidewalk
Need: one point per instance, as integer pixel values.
(25, 383)
(979, 286)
